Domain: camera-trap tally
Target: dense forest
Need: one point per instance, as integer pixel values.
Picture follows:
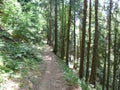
(84, 34)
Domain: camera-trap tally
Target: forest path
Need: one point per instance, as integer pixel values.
(52, 79)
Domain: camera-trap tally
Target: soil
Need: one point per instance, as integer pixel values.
(52, 79)
(45, 76)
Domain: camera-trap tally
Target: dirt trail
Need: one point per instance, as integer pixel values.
(52, 78)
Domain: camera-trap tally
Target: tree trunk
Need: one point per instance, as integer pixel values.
(119, 82)
(109, 44)
(94, 60)
(104, 70)
(63, 33)
(81, 69)
(56, 27)
(75, 53)
(115, 58)
(68, 33)
(89, 42)
(49, 26)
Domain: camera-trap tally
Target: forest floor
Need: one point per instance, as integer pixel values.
(47, 75)
(52, 79)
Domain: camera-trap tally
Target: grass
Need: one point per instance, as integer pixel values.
(24, 77)
(84, 85)
(71, 78)
(30, 73)
(18, 62)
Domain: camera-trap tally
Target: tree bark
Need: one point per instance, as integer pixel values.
(94, 60)
(109, 44)
(68, 33)
(89, 42)
(104, 70)
(81, 69)
(75, 52)
(49, 41)
(63, 33)
(56, 29)
(115, 58)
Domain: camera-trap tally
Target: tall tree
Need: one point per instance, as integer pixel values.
(63, 33)
(104, 67)
(109, 44)
(115, 60)
(68, 32)
(115, 54)
(49, 32)
(94, 60)
(89, 42)
(56, 29)
(119, 82)
(81, 69)
(75, 51)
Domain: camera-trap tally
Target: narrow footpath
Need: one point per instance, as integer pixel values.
(52, 79)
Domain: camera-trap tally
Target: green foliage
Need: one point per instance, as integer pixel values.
(21, 26)
(84, 86)
(17, 53)
(24, 25)
(21, 36)
(11, 12)
(71, 78)
(17, 57)
(98, 87)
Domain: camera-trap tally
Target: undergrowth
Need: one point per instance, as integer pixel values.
(16, 59)
(71, 78)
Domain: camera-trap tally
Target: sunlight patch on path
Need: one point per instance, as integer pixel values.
(10, 85)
